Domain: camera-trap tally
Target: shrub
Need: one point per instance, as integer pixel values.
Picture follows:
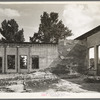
(60, 69)
(92, 79)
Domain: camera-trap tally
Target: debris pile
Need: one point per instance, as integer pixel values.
(26, 82)
(64, 71)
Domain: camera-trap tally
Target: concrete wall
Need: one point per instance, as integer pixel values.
(47, 54)
(93, 40)
(11, 51)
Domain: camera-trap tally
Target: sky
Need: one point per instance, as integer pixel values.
(78, 17)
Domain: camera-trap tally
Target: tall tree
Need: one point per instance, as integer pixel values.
(50, 29)
(10, 32)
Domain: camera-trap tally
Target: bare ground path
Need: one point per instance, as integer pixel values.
(75, 85)
(70, 87)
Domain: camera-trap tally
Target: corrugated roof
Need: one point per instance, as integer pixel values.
(89, 33)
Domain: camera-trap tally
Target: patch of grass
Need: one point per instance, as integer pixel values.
(60, 69)
(4, 89)
(40, 85)
(64, 76)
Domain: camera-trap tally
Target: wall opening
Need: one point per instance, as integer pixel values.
(98, 54)
(0, 64)
(98, 65)
(35, 62)
(91, 58)
(23, 62)
(11, 61)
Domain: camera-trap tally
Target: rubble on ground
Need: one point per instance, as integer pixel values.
(64, 71)
(36, 79)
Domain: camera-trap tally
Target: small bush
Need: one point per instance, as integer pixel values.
(60, 69)
(91, 79)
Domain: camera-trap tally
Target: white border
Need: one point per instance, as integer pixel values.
(49, 95)
(49, 2)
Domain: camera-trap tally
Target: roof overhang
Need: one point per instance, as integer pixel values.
(89, 33)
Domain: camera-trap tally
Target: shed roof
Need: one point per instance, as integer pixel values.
(89, 33)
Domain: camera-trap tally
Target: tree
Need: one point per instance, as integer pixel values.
(10, 32)
(50, 29)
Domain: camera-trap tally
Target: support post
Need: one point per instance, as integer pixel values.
(17, 60)
(95, 57)
(5, 59)
(29, 65)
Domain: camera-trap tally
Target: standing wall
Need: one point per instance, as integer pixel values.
(47, 53)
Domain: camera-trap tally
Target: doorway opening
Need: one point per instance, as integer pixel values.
(11, 61)
(91, 58)
(98, 65)
(35, 62)
(0, 64)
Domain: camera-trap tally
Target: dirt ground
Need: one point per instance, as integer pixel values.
(9, 83)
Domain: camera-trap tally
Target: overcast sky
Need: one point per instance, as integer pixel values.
(79, 18)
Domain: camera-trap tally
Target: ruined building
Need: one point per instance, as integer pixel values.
(26, 57)
(92, 42)
(82, 53)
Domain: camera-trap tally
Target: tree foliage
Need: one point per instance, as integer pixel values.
(9, 31)
(50, 29)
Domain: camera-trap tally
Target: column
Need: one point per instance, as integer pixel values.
(29, 58)
(4, 71)
(87, 57)
(17, 59)
(96, 57)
